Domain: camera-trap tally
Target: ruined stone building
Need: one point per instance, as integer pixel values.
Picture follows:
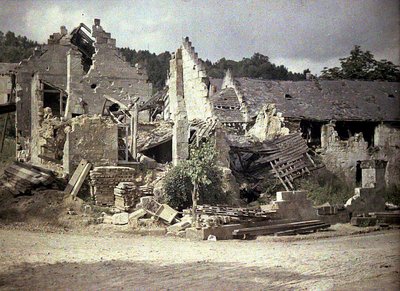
(344, 121)
(70, 76)
(7, 81)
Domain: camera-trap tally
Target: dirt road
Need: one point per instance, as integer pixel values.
(57, 261)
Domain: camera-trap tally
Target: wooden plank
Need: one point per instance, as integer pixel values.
(22, 175)
(50, 159)
(302, 229)
(279, 177)
(75, 176)
(271, 229)
(80, 180)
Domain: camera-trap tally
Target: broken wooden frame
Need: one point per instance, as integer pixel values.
(287, 156)
(126, 117)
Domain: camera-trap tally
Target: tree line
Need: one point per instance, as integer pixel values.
(360, 65)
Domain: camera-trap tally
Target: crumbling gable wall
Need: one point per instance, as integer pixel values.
(109, 75)
(195, 83)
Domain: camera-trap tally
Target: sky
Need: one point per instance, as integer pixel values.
(298, 34)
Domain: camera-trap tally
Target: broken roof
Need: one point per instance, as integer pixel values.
(324, 100)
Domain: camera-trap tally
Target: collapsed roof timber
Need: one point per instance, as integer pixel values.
(78, 99)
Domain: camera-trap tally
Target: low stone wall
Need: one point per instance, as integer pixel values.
(103, 180)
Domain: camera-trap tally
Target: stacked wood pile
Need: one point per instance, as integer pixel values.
(103, 180)
(21, 178)
(299, 227)
(243, 213)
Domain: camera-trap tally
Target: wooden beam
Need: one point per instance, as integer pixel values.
(75, 176)
(80, 180)
(3, 132)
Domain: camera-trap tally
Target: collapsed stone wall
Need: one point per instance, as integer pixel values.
(342, 156)
(269, 124)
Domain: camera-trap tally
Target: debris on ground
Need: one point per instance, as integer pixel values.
(21, 178)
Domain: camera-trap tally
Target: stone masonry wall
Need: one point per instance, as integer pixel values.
(387, 147)
(195, 83)
(341, 156)
(269, 124)
(51, 63)
(109, 75)
(94, 139)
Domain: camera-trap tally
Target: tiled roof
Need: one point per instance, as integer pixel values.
(324, 100)
(226, 106)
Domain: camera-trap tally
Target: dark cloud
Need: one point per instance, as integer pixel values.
(298, 34)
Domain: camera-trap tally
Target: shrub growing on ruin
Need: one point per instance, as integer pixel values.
(324, 186)
(200, 167)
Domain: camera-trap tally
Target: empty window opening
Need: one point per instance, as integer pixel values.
(84, 42)
(358, 173)
(311, 132)
(161, 153)
(347, 129)
(54, 99)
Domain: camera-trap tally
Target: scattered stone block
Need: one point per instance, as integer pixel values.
(175, 228)
(120, 218)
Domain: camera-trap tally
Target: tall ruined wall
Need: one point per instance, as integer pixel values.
(387, 147)
(51, 63)
(195, 84)
(92, 138)
(109, 75)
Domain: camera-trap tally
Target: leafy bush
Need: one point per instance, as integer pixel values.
(324, 186)
(200, 168)
(392, 194)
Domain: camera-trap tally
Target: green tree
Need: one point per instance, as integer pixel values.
(196, 177)
(361, 65)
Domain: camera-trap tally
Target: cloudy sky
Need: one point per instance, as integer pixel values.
(299, 34)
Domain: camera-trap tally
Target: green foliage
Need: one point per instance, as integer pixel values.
(14, 49)
(361, 65)
(324, 186)
(156, 65)
(258, 66)
(200, 169)
(392, 194)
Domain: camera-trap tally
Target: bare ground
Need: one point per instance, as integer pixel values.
(110, 261)
(44, 248)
